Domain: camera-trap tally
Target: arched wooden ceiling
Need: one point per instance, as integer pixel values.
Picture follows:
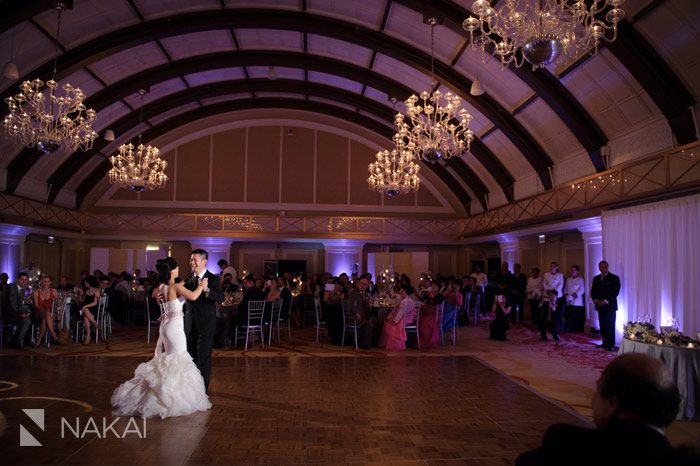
(325, 19)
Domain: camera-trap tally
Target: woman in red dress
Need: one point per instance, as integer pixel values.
(428, 325)
(43, 305)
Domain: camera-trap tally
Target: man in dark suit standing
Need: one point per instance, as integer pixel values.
(604, 291)
(518, 284)
(200, 315)
(17, 311)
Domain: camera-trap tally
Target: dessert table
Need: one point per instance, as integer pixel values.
(684, 364)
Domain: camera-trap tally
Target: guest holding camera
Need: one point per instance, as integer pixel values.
(502, 306)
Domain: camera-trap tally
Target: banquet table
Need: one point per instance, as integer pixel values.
(684, 364)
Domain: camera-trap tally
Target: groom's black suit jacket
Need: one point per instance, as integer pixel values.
(202, 312)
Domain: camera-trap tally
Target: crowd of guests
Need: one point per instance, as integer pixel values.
(434, 305)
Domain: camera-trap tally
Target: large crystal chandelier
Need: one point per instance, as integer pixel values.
(542, 31)
(436, 127)
(40, 117)
(139, 170)
(394, 172)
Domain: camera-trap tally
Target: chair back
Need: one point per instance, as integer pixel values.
(411, 315)
(256, 310)
(317, 307)
(439, 312)
(348, 314)
(276, 310)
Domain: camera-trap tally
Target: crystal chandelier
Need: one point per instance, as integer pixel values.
(436, 127)
(394, 172)
(40, 117)
(140, 170)
(542, 31)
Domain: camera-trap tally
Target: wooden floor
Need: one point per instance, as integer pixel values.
(281, 410)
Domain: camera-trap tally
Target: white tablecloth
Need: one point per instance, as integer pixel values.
(684, 364)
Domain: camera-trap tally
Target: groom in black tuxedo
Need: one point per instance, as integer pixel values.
(604, 291)
(200, 315)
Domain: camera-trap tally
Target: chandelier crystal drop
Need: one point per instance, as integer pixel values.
(542, 32)
(40, 116)
(435, 126)
(394, 172)
(138, 170)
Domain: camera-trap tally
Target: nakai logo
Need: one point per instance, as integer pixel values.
(25, 438)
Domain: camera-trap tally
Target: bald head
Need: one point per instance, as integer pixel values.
(636, 386)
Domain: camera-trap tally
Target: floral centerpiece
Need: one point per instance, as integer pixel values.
(646, 332)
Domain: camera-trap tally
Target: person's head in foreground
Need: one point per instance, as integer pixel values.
(635, 387)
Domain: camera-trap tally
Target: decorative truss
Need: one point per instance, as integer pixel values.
(665, 173)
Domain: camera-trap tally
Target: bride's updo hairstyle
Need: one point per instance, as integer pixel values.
(164, 267)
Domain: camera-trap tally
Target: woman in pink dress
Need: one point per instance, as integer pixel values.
(428, 325)
(393, 333)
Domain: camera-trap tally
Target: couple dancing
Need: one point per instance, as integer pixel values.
(176, 381)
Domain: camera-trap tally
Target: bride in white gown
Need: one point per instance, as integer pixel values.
(169, 384)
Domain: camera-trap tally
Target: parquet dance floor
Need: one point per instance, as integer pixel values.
(281, 410)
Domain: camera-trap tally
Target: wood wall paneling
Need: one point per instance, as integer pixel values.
(193, 162)
(331, 169)
(228, 174)
(263, 164)
(298, 165)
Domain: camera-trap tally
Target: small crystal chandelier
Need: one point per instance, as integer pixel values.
(140, 170)
(433, 131)
(394, 172)
(542, 31)
(40, 118)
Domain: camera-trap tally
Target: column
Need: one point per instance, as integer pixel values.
(510, 249)
(592, 233)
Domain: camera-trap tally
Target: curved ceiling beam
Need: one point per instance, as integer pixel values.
(141, 33)
(658, 79)
(97, 174)
(545, 85)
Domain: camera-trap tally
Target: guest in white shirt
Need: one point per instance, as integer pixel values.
(573, 293)
(225, 268)
(534, 294)
(480, 281)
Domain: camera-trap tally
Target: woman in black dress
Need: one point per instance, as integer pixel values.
(501, 307)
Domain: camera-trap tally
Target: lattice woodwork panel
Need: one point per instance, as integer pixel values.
(209, 223)
(154, 222)
(264, 223)
(182, 222)
(684, 168)
(291, 225)
(571, 198)
(237, 223)
(34, 210)
(344, 225)
(602, 190)
(422, 227)
(397, 226)
(319, 224)
(446, 228)
(370, 225)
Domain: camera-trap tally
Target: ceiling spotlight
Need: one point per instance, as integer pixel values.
(271, 73)
(10, 71)
(109, 135)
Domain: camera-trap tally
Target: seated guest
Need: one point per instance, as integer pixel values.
(228, 269)
(271, 294)
(250, 293)
(550, 316)
(450, 310)
(88, 311)
(636, 399)
(333, 312)
(429, 327)
(359, 303)
(64, 285)
(19, 309)
(43, 307)
(393, 333)
(502, 307)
